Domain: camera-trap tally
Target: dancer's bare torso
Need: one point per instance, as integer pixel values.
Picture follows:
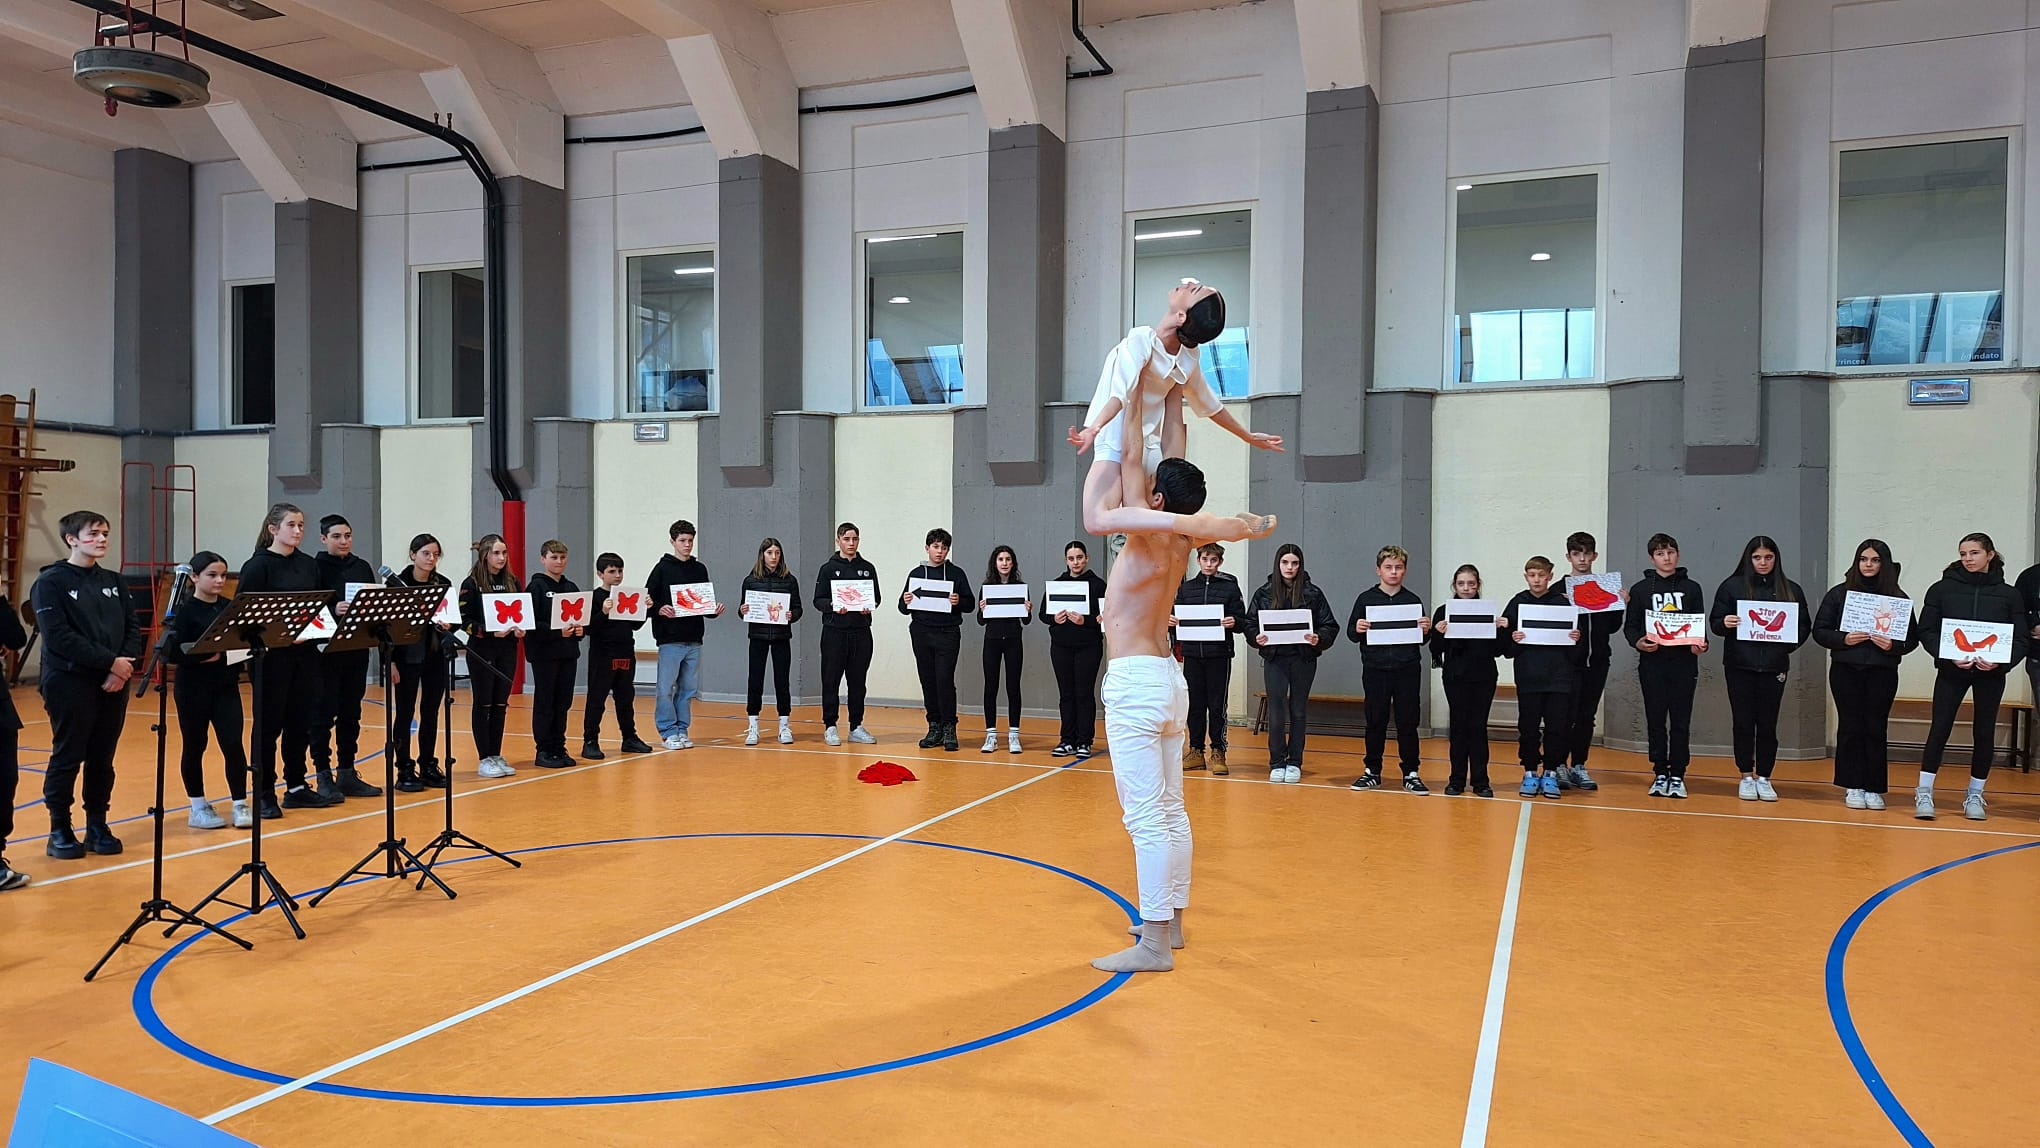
(1141, 593)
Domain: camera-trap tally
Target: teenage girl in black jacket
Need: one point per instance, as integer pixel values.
(498, 650)
(1755, 670)
(1863, 675)
(418, 671)
(1470, 677)
(1972, 589)
(771, 640)
(290, 684)
(1289, 669)
(1003, 648)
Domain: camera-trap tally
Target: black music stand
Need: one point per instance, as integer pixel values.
(449, 837)
(255, 623)
(386, 617)
(157, 908)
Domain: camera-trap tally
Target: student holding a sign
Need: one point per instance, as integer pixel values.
(1974, 624)
(1867, 627)
(418, 670)
(1470, 677)
(679, 633)
(208, 693)
(936, 597)
(560, 616)
(1207, 658)
(1291, 625)
(846, 592)
(772, 606)
(1003, 648)
(1544, 641)
(496, 646)
(1762, 613)
(2028, 586)
(342, 677)
(1076, 647)
(612, 658)
(1601, 620)
(1665, 624)
(1391, 665)
(290, 684)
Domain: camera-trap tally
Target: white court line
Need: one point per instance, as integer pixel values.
(1483, 1092)
(286, 1089)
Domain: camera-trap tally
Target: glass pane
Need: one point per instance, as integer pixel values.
(451, 344)
(1214, 248)
(254, 351)
(1525, 280)
(1920, 259)
(913, 319)
(671, 307)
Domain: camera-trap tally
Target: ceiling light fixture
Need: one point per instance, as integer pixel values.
(1541, 257)
(143, 78)
(1186, 233)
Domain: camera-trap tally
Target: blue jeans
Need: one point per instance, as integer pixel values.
(679, 682)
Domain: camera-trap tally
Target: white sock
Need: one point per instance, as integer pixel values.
(1975, 785)
(1927, 780)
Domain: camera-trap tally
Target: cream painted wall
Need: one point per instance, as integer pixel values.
(435, 459)
(1512, 474)
(894, 477)
(1960, 469)
(636, 527)
(93, 485)
(1224, 460)
(231, 474)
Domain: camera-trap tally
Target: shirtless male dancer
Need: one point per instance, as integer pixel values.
(1147, 704)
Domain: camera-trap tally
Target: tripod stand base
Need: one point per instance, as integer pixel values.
(398, 861)
(157, 911)
(455, 839)
(259, 879)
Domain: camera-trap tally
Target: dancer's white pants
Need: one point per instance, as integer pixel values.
(1146, 708)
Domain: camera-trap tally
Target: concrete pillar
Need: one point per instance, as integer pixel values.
(1342, 133)
(758, 308)
(1024, 260)
(1722, 256)
(151, 329)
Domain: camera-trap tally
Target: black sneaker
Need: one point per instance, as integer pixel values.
(64, 845)
(633, 745)
(1414, 784)
(592, 750)
(407, 778)
(101, 840)
(266, 807)
(553, 760)
(1062, 749)
(1483, 791)
(351, 785)
(304, 797)
(1368, 780)
(329, 790)
(1452, 790)
(10, 877)
(429, 775)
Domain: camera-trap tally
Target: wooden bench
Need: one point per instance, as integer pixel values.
(1914, 716)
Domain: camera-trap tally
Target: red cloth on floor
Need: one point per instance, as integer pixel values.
(885, 773)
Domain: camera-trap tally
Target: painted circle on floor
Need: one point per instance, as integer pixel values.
(152, 1021)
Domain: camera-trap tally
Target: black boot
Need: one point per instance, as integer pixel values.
(949, 736)
(429, 775)
(933, 737)
(63, 843)
(330, 789)
(352, 785)
(407, 778)
(99, 838)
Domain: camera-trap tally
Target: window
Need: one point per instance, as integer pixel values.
(1212, 248)
(451, 327)
(1525, 274)
(913, 319)
(1920, 254)
(670, 331)
(254, 354)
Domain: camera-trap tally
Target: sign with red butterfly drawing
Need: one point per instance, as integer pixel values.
(1757, 621)
(1982, 641)
(502, 613)
(572, 609)
(1671, 629)
(629, 604)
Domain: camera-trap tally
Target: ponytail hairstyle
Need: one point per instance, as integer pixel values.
(1997, 561)
(1886, 582)
(203, 559)
(266, 536)
(1287, 595)
(992, 576)
(1748, 574)
(504, 582)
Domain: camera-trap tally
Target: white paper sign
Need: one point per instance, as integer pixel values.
(1470, 618)
(629, 604)
(572, 609)
(1394, 625)
(1672, 629)
(502, 613)
(1595, 593)
(1878, 614)
(318, 629)
(352, 588)
(1547, 625)
(694, 600)
(1985, 641)
(1758, 621)
(1286, 627)
(1004, 599)
(855, 595)
(236, 657)
(768, 608)
(1069, 597)
(1200, 622)
(931, 595)
(448, 613)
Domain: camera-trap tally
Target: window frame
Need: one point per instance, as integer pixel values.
(1446, 372)
(626, 379)
(412, 296)
(2014, 156)
(861, 307)
(1130, 306)
(230, 351)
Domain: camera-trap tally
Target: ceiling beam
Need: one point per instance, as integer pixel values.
(1341, 42)
(289, 139)
(1017, 53)
(51, 103)
(734, 69)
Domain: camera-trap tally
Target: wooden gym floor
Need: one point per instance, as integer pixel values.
(732, 946)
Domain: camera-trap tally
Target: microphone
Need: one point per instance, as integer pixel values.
(386, 574)
(180, 583)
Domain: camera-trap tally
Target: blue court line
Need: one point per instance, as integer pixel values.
(152, 1021)
(141, 816)
(1838, 993)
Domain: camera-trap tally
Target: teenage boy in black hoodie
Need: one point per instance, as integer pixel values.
(1598, 630)
(1546, 679)
(12, 637)
(1207, 666)
(679, 637)
(342, 678)
(1668, 675)
(612, 666)
(846, 635)
(938, 638)
(91, 642)
(1391, 676)
(553, 652)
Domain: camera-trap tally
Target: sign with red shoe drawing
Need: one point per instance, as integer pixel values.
(694, 600)
(1596, 593)
(1672, 629)
(1758, 621)
(1983, 641)
(317, 629)
(448, 613)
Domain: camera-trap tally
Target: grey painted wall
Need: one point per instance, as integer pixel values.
(1722, 257)
(1342, 143)
(349, 483)
(318, 336)
(758, 311)
(1025, 172)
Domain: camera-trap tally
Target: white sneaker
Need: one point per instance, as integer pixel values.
(1923, 804)
(1764, 790)
(1676, 787)
(786, 731)
(674, 742)
(1013, 742)
(685, 742)
(1278, 774)
(1855, 799)
(1973, 807)
(1747, 787)
(493, 767)
(1293, 774)
(991, 741)
(1661, 785)
(205, 817)
(830, 736)
(244, 817)
(1873, 800)
(861, 738)
(751, 732)
(503, 764)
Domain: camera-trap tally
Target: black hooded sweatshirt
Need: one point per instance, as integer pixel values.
(1465, 659)
(1761, 657)
(1678, 594)
(84, 618)
(1543, 669)
(1984, 597)
(335, 574)
(1222, 590)
(669, 572)
(1384, 657)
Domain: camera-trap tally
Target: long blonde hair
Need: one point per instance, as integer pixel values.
(266, 536)
(504, 582)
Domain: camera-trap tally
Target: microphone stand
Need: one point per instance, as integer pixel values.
(159, 908)
(449, 837)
